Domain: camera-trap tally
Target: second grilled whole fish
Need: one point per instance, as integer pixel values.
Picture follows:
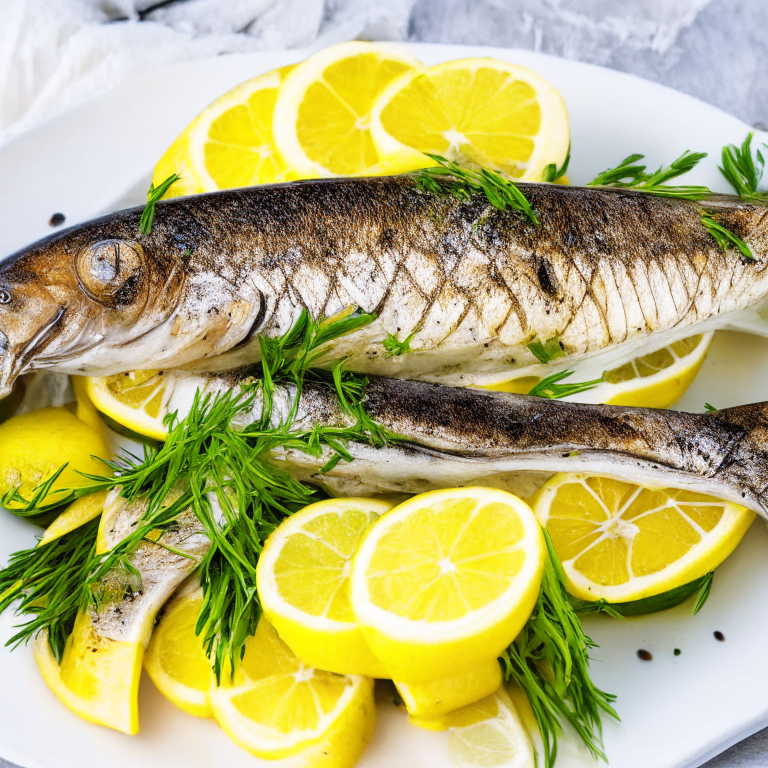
(604, 270)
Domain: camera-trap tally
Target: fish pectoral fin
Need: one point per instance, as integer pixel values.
(215, 330)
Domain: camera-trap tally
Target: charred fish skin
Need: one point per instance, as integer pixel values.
(603, 269)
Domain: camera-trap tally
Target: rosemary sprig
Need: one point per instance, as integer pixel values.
(549, 660)
(551, 388)
(395, 347)
(709, 408)
(546, 351)
(153, 195)
(743, 170)
(724, 237)
(629, 174)
(450, 178)
(552, 172)
(704, 591)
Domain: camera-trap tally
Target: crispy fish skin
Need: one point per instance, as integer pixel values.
(453, 436)
(604, 269)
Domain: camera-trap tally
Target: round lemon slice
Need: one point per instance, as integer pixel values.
(137, 400)
(303, 583)
(493, 113)
(229, 144)
(446, 580)
(98, 678)
(176, 660)
(322, 113)
(622, 542)
(655, 380)
(276, 707)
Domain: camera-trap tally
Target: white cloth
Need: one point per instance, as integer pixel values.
(56, 54)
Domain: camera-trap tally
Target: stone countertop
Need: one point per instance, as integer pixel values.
(716, 50)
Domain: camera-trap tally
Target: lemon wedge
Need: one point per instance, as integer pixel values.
(493, 113)
(35, 445)
(439, 697)
(323, 109)
(136, 400)
(622, 542)
(229, 144)
(176, 660)
(98, 678)
(79, 512)
(303, 583)
(434, 593)
(276, 707)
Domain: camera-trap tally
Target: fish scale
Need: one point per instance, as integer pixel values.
(605, 272)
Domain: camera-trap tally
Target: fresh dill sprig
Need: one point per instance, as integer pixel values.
(744, 171)
(546, 351)
(549, 660)
(629, 174)
(552, 172)
(709, 408)
(724, 237)
(551, 388)
(395, 347)
(450, 178)
(153, 195)
(704, 591)
(47, 580)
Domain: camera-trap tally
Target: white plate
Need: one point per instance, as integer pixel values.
(676, 710)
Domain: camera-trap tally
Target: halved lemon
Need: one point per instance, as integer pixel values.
(487, 733)
(493, 113)
(98, 678)
(655, 380)
(439, 697)
(176, 660)
(275, 706)
(323, 109)
(620, 541)
(435, 593)
(229, 144)
(303, 583)
(137, 400)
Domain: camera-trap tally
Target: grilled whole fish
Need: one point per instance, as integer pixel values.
(456, 436)
(603, 271)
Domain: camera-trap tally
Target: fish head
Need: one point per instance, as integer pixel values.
(87, 290)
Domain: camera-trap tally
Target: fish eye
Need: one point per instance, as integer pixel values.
(106, 270)
(5, 296)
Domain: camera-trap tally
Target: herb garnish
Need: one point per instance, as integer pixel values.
(549, 660)
(546, 351)
(724, 237)
(709, 408)
(704, 591)
(153, 195)
(551, 388)
(552, 172)
(395, 347)
(743, 171)
(449, 178)
(630, 175)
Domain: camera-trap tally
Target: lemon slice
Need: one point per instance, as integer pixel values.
(78, 513)
(176, 660)
(98, 678)
(655, 380)
(621, 541)
(229, 144)
(487, 733)
(303, 583)
(322, 114)
(275, 706)
(136, 400)
(491, 112)
(434, 593)
(439, 697)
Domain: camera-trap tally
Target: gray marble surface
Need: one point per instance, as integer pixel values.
(716, 50)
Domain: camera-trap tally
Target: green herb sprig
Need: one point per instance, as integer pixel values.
(629, 174)
(395, 347)
(153, 195)
(550, 387)
(450, 178)
(546, 351)
(549, 660)
(552, 172)
(724, 237)
(743, 170)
